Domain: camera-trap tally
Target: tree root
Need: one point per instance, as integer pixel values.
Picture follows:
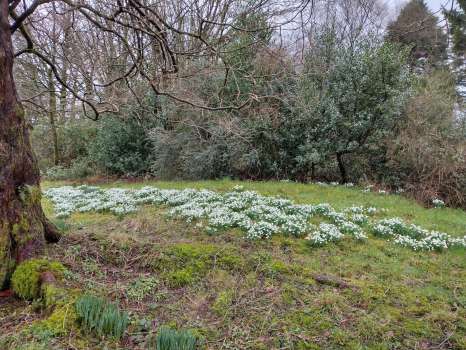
(331, 281)
(51, 233)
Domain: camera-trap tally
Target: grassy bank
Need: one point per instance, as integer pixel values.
(238, 294)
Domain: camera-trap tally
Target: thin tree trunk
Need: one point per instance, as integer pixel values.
(341, 167)
(24, 229)
(53, 117)
(63, 92)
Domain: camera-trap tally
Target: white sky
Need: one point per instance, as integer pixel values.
(434, 5)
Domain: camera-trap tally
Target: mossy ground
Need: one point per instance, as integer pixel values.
(25, 280)
(237, 294)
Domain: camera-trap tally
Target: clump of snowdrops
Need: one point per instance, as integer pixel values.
(259, 217)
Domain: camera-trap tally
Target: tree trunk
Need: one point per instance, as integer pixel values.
(341, 167)
(53, 117)
(24, 229)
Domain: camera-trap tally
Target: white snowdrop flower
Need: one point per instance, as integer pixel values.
(382, 230)
(325, 234)
(368, 189)
(258, 216)
(438, 203)
(261, 229)
(457, 242)
(371, 211)
(354, 209)
(360, 219)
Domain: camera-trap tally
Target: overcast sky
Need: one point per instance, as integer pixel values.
(434, 5)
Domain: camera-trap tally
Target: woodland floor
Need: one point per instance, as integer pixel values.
(240, 294)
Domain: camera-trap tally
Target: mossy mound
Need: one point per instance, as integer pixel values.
(26, 278)
(60, 322)
(183, 264)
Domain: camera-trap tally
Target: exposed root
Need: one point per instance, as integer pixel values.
(331, 281)
(51, 233)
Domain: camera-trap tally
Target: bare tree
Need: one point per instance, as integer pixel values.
(99, 46)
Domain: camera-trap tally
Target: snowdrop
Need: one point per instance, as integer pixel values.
(372, 211)
(325, 234)
(367, 189)
(257, 216)
(354, 209)
(414, 236)
(359, 219)
(438, 203)
(261, 229)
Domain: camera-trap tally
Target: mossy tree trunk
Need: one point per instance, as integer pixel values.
(24, 229)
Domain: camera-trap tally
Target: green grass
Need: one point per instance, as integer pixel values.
(452, 221)
(237, 294)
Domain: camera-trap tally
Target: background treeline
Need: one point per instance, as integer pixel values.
(335, 94)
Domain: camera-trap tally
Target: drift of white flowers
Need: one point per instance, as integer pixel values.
(259, 217)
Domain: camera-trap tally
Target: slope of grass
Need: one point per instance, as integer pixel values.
(231, 293)
(452, 221)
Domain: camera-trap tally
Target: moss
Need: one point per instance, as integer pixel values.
(180, 278)
(184, 254)
(35, 194)
(189, 251)
(60, 322)
(341, 338)
(6, 262)
(53, 295)
(30, 195)
(20, 228)
(229, 259)
(279, 267)
(19, 111)
(185, 263)
(312, 320)
(171, 324)
(417, 327)
(25, 279)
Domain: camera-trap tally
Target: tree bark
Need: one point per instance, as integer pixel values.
(53, 117)
(24, 229)
(341, 167)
